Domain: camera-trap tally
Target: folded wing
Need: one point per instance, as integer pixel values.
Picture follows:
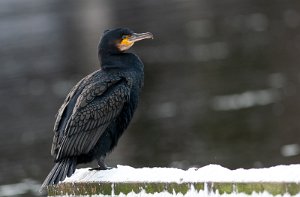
(96, 107)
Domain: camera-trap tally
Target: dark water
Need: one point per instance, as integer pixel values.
(221, 82)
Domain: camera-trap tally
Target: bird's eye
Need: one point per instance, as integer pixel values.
(124, 36)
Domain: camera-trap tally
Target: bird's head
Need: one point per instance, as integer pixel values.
(118, 40)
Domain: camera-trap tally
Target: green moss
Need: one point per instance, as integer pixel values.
(126, 188)
(293, 188)
(106, 188)
(169, 188)
(137, 187)
(249, 188)
(178, 188)
(223, 188)
(198, 186)
(151, 188)
(274, 188)
(183, 188)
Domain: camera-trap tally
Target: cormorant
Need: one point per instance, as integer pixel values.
(99, 108)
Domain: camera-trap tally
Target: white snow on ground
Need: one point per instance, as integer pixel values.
(209, 173)
(26, 186)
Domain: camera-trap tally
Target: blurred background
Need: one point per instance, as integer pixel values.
(221, 82)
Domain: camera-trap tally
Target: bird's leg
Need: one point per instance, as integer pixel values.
(101, 164)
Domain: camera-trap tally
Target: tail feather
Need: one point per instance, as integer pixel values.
(61, 170)
(72, 168)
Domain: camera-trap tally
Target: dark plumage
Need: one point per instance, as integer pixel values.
(99, 107)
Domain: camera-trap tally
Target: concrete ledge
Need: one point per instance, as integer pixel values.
(188, 189)
(211, 180)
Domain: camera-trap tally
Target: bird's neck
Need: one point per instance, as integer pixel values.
(120, 61)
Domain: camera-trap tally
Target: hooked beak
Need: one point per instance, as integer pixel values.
(128, 41)
(140, 36)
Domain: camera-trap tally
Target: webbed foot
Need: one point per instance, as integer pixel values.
(100, 168)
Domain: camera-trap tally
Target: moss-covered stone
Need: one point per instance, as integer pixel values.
(271, 188)
(274, 188)
(80, 189)
(249, 188)
(180, 188)
(126, 188)
(198, 186)
(105, 188)
(223, 188)
(151, 188)
(293, 188)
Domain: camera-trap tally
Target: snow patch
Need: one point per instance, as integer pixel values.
(209, 173)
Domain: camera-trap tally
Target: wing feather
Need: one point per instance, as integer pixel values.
(96, 107)
(61, 112)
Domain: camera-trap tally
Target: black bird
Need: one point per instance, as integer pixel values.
(99, 107)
